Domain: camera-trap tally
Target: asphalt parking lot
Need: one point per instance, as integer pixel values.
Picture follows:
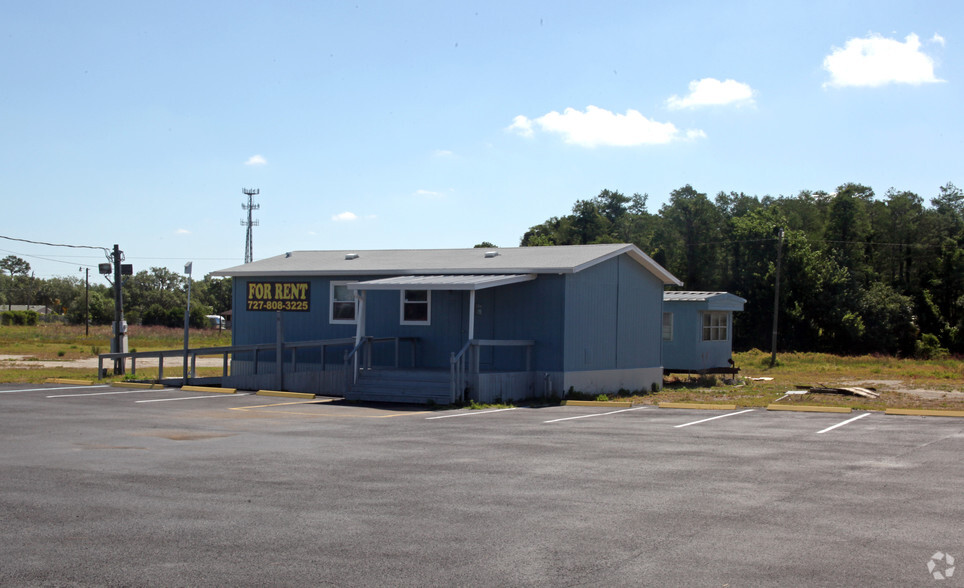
(113, 486)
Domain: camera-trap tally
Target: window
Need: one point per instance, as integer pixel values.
(342, 304)
(667, 326)
(416, 307)
(714, 326)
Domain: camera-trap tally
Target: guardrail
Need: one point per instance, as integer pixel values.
(224, 352)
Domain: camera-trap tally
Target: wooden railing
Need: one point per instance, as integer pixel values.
(360, 356)
(225, 352)
(459, 372)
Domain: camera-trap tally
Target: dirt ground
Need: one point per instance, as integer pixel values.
(899, 386)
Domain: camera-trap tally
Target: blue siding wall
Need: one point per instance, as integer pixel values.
(640, 314)
(591, 300)
(687, 350)
(529, 310)
(612, 319)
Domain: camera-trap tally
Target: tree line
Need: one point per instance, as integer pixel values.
(860, 273)
(151, 297)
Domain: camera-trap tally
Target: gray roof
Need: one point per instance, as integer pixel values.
(477, 261)
(714, 300)
(460, 282)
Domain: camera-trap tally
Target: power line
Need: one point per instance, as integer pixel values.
(104, 249)
(47, 258)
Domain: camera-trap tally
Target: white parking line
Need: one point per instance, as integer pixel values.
(193, 397)
(713, 418)
(859, 416)
(472, 413)
(102, 393)
(56, 388)
(586, 416)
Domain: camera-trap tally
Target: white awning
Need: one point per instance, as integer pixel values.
(450, 282)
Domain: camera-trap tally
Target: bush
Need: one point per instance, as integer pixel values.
(929, 347)
(19, 317)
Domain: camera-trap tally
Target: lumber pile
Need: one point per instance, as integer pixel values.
(849, 390)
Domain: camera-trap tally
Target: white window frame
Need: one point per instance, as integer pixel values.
(667, 328)
(402, 302)
(331, 304)
(712, 328)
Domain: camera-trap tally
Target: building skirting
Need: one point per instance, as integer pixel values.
(609, 381)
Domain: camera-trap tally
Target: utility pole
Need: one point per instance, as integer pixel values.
(119, 343)
(248, 244)
(776, 301)
(187, 316)
(120, 326)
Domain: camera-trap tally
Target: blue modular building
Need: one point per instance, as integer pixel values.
(698, 330)
(448, 325)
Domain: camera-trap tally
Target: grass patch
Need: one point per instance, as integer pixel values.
(903, 383)
(473, 405)
(55, 341)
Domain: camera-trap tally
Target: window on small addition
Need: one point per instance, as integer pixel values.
(342, 304)
(714, 326)
(667, 326)
(416, 307)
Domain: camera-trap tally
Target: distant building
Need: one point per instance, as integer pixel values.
(446, 325)
(697, 330)
(39, 309)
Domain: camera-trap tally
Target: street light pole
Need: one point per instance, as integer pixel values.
(187, 316)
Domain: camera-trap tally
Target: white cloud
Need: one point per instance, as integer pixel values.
(345, 217)
(713, 92)
(938, 39)
(183, 232)
(597, 126)
(875, 61)
(444, 153)
(256, 160)
(521, 125)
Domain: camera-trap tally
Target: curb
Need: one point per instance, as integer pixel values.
(141, 385)
(68, 381)
(696, 405)
(924, 412)
(597, 403)
(837, 409)
(209, 389)
(303, 395)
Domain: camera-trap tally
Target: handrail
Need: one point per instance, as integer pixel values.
(462, 351)
(368, 340)
(457, 371)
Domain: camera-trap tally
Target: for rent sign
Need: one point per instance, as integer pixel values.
(279, 296)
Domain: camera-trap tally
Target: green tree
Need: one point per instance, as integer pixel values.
(690, 237)
(848, 228)
(215, 293)
(101, 307)
(157, 286)
(14, 266)
(888, 319)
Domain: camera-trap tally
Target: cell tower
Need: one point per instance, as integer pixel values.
(248, 244)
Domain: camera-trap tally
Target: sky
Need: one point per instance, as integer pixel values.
(407, 124)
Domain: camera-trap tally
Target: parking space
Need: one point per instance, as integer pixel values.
(244, 489)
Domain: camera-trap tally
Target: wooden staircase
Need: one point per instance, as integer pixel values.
(418, 386)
